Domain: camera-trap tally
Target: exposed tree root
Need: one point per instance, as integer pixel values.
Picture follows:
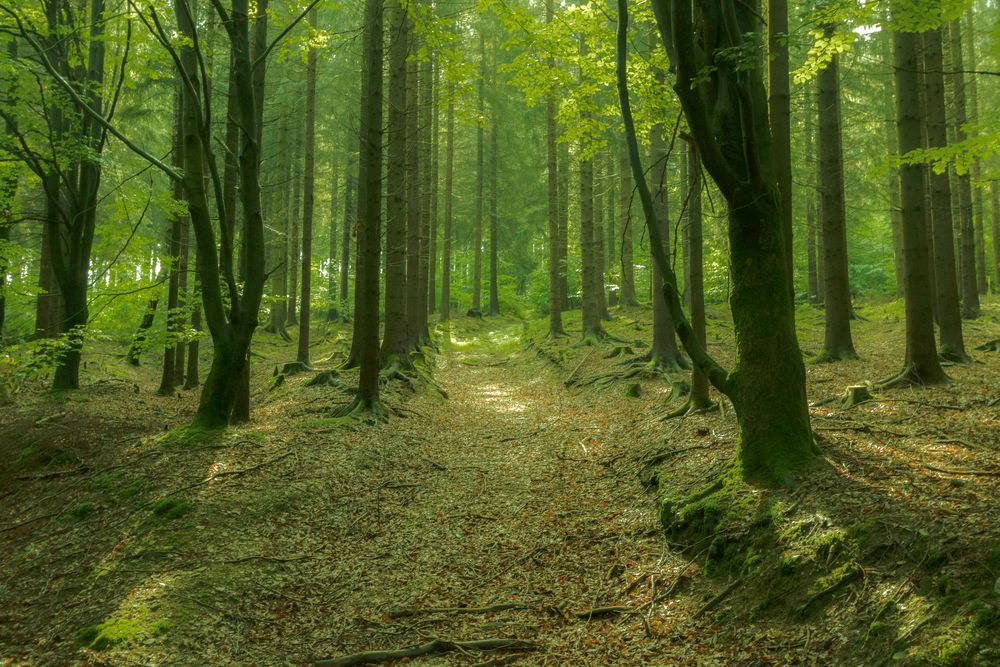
(326, 379)
(955, 356)
(691, 408)
(280, 332)
(433, 646)
(908, 377)
(368, 411)
(292, 368)
(990, 346)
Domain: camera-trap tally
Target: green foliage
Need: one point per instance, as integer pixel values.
(171, 508)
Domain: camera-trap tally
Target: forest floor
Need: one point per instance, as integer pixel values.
(523, 506)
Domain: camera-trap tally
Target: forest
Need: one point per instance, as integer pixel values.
(500, 332)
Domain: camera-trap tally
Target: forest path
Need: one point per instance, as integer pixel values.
(524, 493)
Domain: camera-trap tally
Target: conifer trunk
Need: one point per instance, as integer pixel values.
(309, 197)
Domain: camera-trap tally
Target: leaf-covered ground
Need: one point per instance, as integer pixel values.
(516, 508)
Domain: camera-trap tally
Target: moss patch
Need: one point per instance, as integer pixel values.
(123, 628)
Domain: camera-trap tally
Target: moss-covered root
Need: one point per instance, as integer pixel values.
(365, 410)
(692, 407)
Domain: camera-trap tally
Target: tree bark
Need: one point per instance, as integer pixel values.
(837, 342)
(350, 222)
(552, 171)
(627, 255)
(414, 169)
(434, 190)
(664, 353)
(494, 231)
(977, 189)
(892, 173)
(779, 108)
(477, 236)
(294, 252)
(449, 199)
(946, 287)
(969, 282)
(921, 363)
(563, 168)
(308, 202)
(394, 342)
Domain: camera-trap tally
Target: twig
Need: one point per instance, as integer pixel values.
(957, 471)
(601, 612)
(405, 613)
(433, 646)
(714, 602)
(569, 380)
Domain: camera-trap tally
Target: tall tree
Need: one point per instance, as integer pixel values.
(294, 252)
(977, 189)
(945, 284)
(551, 134)
(625, 209)
(477, 234)
(966, 225)
(921, 365)
(494, 219)
(308, 197)
(350, 221)
(892, 174)
(664, 352)
(837, 342)
(726, 110)
(449, 202)
(366, 286)
(779, 108)
(395, 337)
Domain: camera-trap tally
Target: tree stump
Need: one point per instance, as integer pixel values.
(858, 393)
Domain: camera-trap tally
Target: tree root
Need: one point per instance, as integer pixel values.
(433, 646)
(370, 412)
(326, 379)
(691, 408)
(908, 377)
(990, 346)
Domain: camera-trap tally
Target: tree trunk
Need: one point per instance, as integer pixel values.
(592, 329)
(977, 189)
(294, 250)
(278, 251)
(969, 282)
(435, 174)
(394, 342)
(366, 290)
(946, 287)
(892, 173)
(332, 312)
(426, 113)
(192, 378)
(477, 237)
(767, 384)
(995, 206)
(921, 364)
(350, 222)
(811, 240)
(600, 282)
(779, 109)
(627, 255)
(552, 172)
(414, 140)
(494, 240)
(700, 399)
(449, 185)
(664, 353)
(308, 203)
(837, 342)
(172, 246)
(563, 169)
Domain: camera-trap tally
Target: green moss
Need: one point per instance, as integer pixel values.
(81, 511)
(191, 435)
(171, 508)
(132, 490)
(123, 628)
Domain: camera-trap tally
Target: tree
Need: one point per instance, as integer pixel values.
(946, 287)
(309, 196)
(837, 343)
(551, 132)
(366, 286)
(449, 200)
(66, 157)
(966, 225)
(779, 108)
(921, 365)
(395, 337)
(625, 208)
(767, 384)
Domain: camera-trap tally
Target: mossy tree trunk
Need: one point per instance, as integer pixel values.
(767, 383)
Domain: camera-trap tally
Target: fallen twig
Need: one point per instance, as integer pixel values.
(714, 602)
(601, 612)
(433, 646)
(569, 380)
(405, 613)
(958, 471)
